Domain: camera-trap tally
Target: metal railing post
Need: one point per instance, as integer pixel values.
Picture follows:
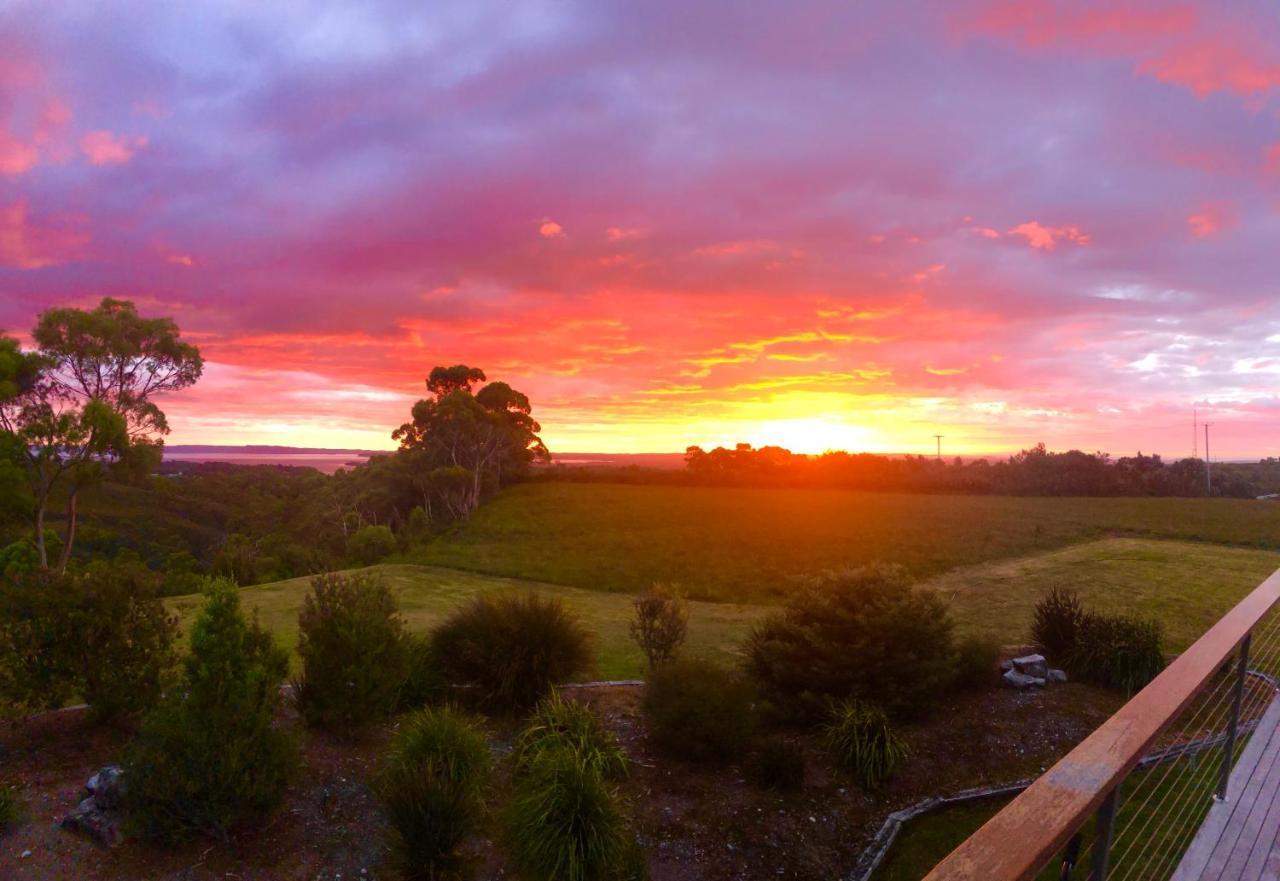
(1105, 824)
(1070, 857)
(1242, 669)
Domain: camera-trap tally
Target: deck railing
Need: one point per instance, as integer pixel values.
(1048, 825)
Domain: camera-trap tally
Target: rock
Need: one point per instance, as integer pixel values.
(1006, 666)
(1032, 665)
(26, 854)
(107, 786)
(1057, 676)
(1014, 679)
(98, 825)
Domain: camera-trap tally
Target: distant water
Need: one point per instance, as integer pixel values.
(324, 462)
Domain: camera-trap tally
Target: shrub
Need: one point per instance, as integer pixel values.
(862, 742)
(778, 764)
(369, 544)
(660, 624)
(104, 635)
(699, 711)
(864, 634)
(559, 724)
(10, 806)
(567, 823)
(977, 663)
(1117, 651)
(1056, 624)
(355, 655)
(512, 647)
(208, 755)
(431, 784)
(424, 681)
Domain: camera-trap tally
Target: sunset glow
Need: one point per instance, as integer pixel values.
(833, 225)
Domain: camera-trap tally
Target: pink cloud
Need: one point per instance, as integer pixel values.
(104, 148)
(1046, 238)
(1211, 219)
(550, 230)
(25, 244)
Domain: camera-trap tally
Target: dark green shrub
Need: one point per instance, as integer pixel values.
(567, 823)
(559, 724)
(977, 663)
(424, 681)
(1117, 651)
(1056, 624)
(512, 647)
(431, 784)
(864, 634)
(862, 742)
(699, 711)
(354, 651)
(660, 624)
(104, 635)
(209, 756)
(778, 764)
(369, 544)
(10, 806)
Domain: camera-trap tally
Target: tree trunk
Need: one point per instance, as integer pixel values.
(39, 529)
(71, 529)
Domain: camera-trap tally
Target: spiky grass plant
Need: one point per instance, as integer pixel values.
(1056, 624)
(558, 724)
(431, 784)
(862, 742)
(566, 823)
(10, 806)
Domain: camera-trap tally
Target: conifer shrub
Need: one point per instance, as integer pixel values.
(660, 624)
(354, 651)
(209, 756)
(567, 822)
(1117, 651)
(558, 724)
(424, 681)
(513, 647)
(977, 663)
(864, 634)
(778, 764)
(861, 741)
(1056, 624)
(10, 807)
(431, 784)
(699, 711)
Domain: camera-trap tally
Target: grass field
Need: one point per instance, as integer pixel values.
(427, 594)
(1186, 585)
(748, 545)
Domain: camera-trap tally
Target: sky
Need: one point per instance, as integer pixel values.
(820, 224)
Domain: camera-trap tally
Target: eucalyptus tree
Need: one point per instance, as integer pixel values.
(84, 402)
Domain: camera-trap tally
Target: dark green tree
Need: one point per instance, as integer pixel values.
(84, 402)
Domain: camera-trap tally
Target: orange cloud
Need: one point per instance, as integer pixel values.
(1046, 238)
(619, 233)
(179, 260)
(550, 230)
(103, 148)
(1211, 219)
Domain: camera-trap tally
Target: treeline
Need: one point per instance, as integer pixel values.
(1033, 472)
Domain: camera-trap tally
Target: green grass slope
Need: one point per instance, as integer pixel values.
(1186, 585)
(746, 545)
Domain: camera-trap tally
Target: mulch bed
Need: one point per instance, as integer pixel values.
(696, 822)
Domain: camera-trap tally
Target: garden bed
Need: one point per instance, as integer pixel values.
(695, 821)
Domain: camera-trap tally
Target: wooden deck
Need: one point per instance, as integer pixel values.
(1240, 838)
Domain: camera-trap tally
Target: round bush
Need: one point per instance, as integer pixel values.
(1117, 651)
(977, 663)
(424, 681)
(558, 724)
(355, 654)
(862, 633)
(862, 742)
(778, 764)
(512, 647)
(699, 711)
(209, 755)
(431, 785)
(566, 823)
(369, 544)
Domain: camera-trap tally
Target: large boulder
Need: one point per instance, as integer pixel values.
(1032, 665)
(107, 787)
(1014, 679)
(95, 823)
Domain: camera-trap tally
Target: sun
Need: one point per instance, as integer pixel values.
(812, 435)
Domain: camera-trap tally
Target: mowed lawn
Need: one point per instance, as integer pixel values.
(1186, 585)
(427, 594)
(749, 545)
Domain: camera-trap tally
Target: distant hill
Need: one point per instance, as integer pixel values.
(265, 450)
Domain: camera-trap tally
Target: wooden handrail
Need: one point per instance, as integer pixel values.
(1018, 842)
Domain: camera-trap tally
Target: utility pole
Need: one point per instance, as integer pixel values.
(1208, 473)
(939, 438)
